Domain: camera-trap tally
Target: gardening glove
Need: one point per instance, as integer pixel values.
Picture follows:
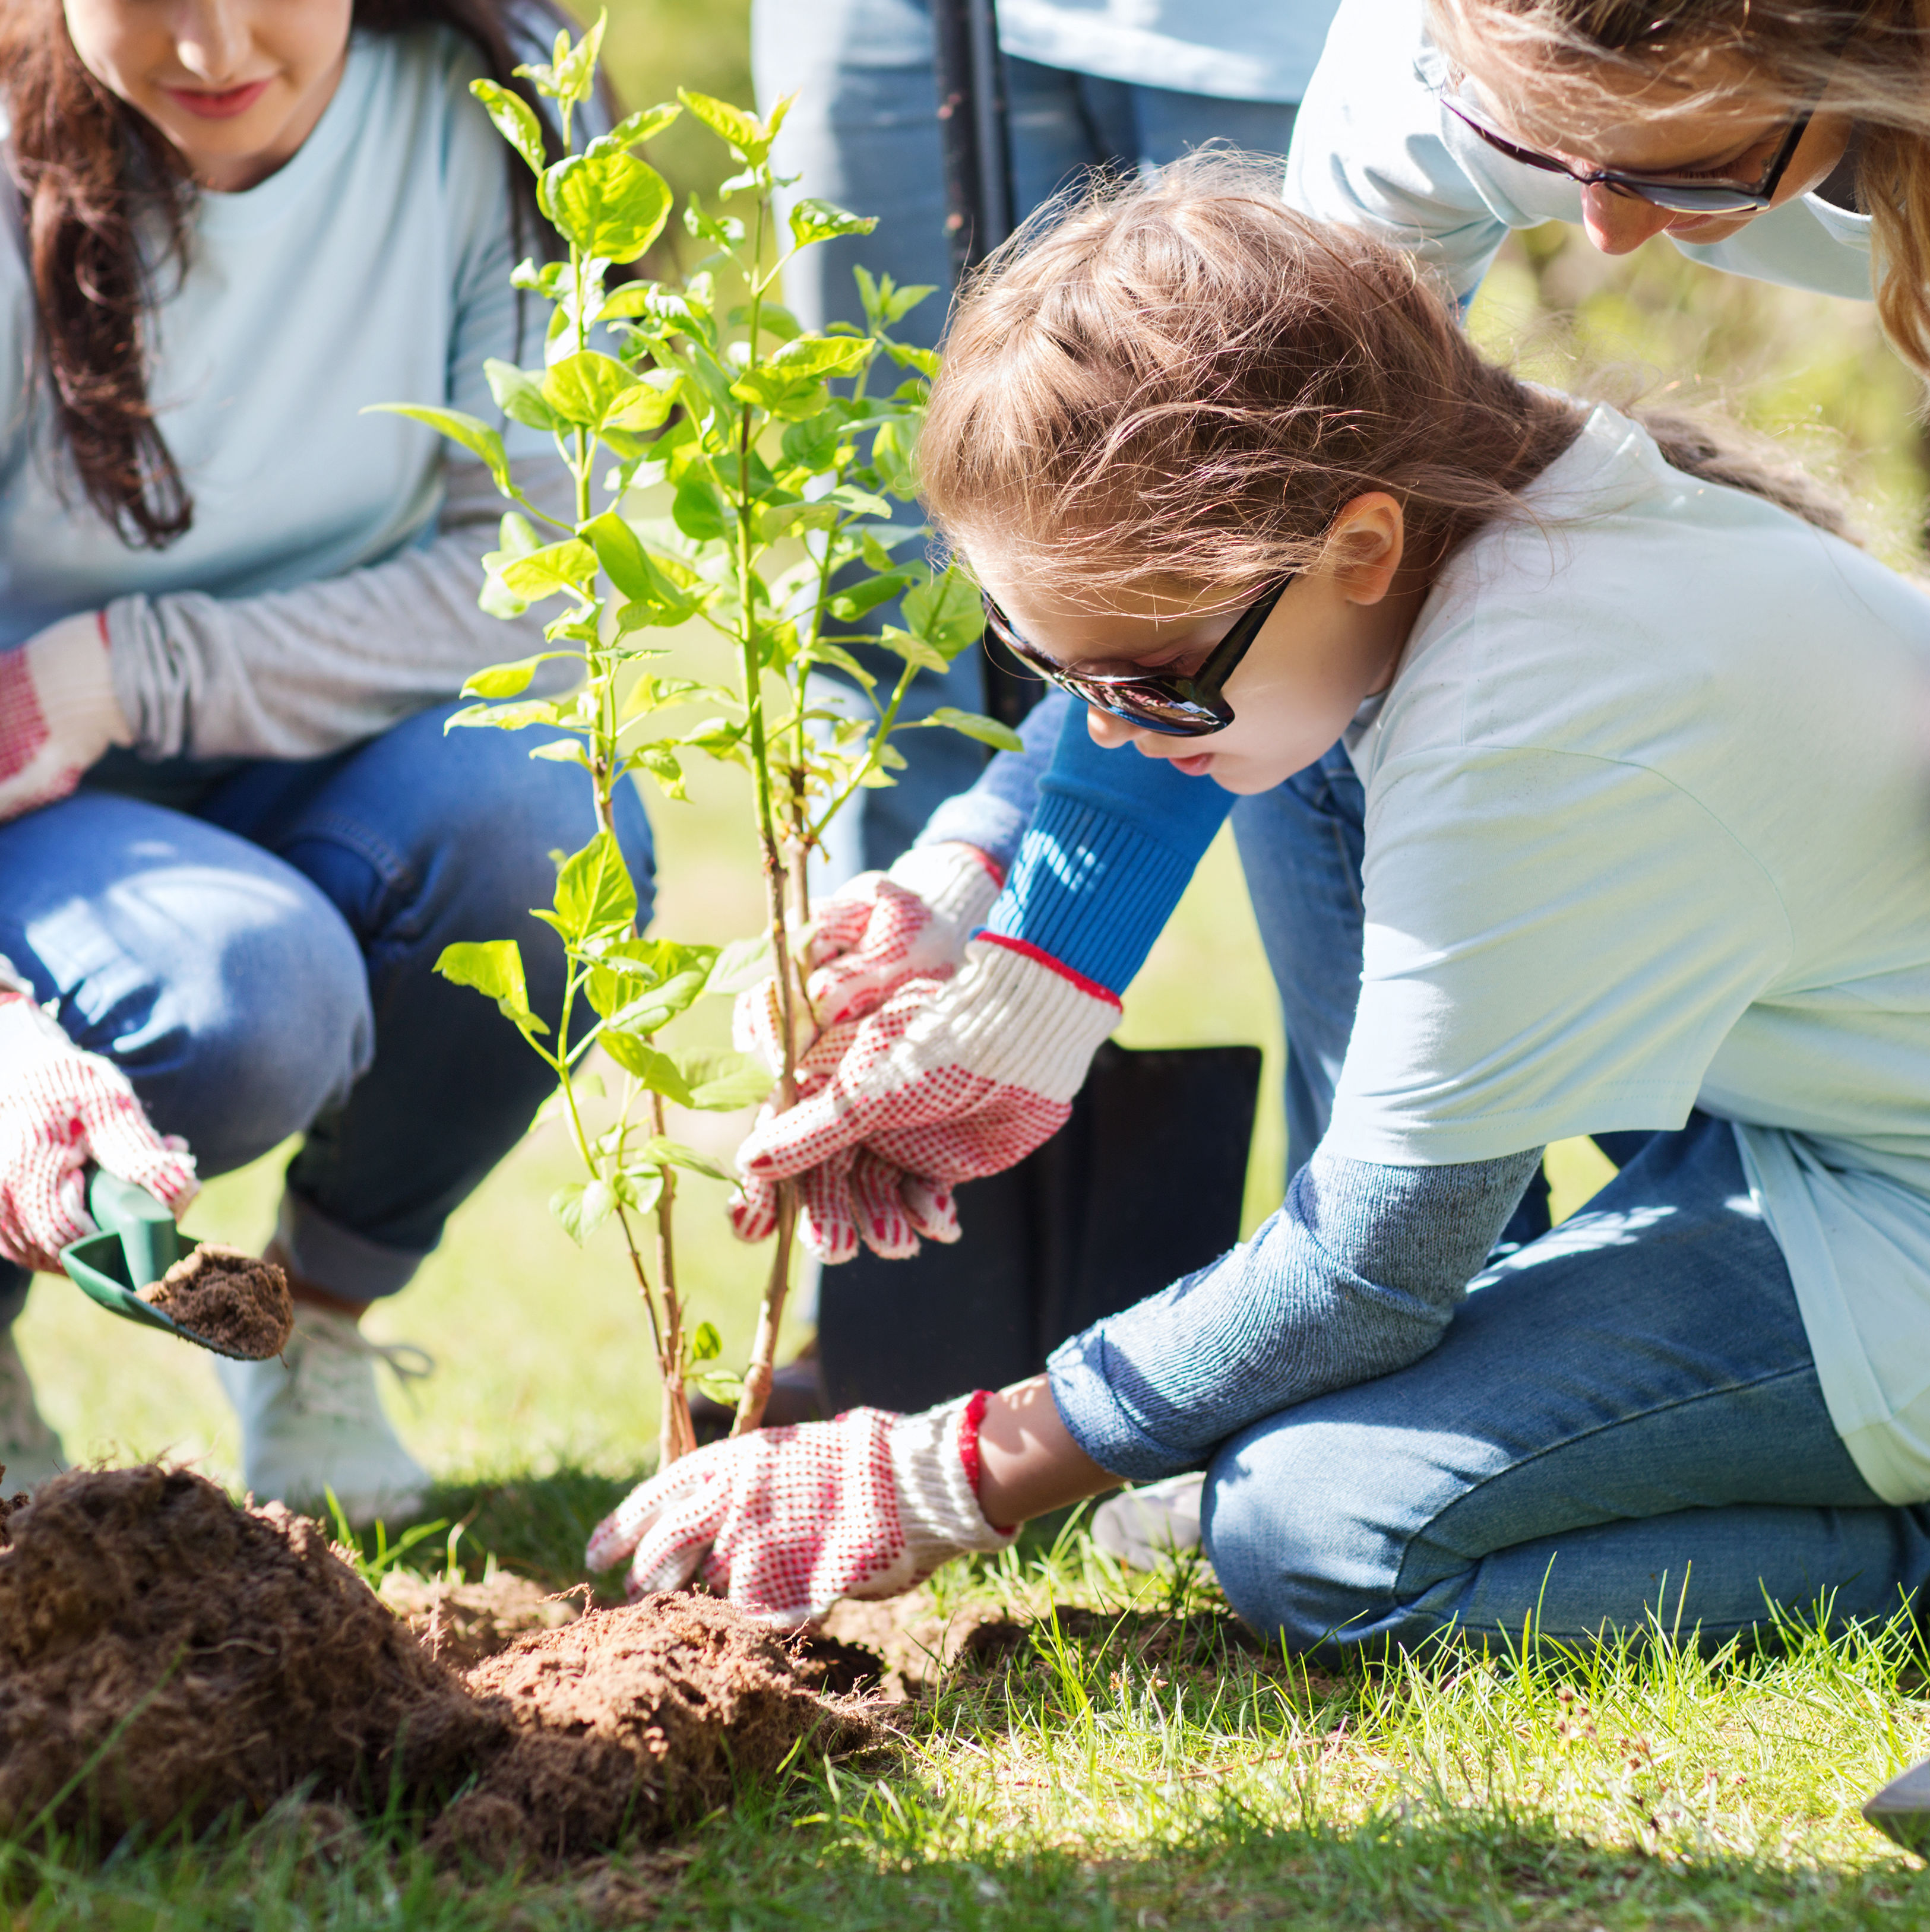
(948, 1080)
(60, 1109)
(58, 712)
(784, 1522)
(869, 937)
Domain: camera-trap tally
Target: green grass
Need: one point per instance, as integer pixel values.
(1150, 1771)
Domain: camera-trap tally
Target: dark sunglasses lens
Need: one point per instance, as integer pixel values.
(1151, 709)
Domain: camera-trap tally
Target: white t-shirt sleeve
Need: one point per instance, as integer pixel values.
(1516, 990)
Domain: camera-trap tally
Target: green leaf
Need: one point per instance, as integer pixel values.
(476, 436)
(612, 206)
(725, 1386)
(645, 404)
(593, 890)
(566, 566)
(518, 394)
(740, 964)
(494, 967)
(583, 1208)
(720, 1083)
(506, 680)
(972, 724)
(662, 766)
(635, 129)
(820, 355)
(515, 121)
(674, 1153)
(814, 220)
(706, 1344)
(697, 509)
(908, 355)
(748, 137)
(580, 388)
(913, 650)
(639, 1187)
(657, 1069)
(948, 613)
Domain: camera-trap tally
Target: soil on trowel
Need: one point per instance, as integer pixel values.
(167, 1655)
(637, 1720)
(461, 1624)
(234, 1302)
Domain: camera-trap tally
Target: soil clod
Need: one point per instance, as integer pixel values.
(166, 1655)
(234, 1301)
(461, 1624)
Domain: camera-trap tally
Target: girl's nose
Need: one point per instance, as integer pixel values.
(1619, 223)
(212, 38)
(1108, 732)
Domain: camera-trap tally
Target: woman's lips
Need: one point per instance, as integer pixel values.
(224, 106)
(1197, 766)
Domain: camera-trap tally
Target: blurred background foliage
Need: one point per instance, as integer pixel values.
(544, 1360)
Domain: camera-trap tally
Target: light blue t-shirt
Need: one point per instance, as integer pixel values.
(1216, 47)
(374, 268)
(1648, 828)
(1373, 148)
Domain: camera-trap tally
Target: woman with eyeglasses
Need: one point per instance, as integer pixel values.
(1783, 139)
(1645, 744)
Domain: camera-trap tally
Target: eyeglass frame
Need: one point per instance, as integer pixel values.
(1652, 187)
(1644, 188)
(1204, 691)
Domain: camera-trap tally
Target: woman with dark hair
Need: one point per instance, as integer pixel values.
(234, 613)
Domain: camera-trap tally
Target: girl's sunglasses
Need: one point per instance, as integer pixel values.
(1680, 194)
(1176, 707)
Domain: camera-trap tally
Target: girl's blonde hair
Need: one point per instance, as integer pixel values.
(1185, 381)
(1871, 57)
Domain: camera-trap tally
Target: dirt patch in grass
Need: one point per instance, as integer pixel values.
(235, 1302)
(166, 1655)
(462, 1624)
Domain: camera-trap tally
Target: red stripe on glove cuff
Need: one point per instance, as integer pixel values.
(1091, 988)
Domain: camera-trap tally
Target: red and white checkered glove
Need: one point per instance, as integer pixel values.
(784, 1522)
(948, 1080)
(57, 712)
(61, 1108)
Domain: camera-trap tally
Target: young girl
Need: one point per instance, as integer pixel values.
(234, 611)
(1646, 749)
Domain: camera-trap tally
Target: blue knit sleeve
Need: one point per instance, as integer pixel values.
(1114, 841)
(1358, 1275)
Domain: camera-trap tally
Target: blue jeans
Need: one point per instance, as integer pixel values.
(254, 945)
(1623, 1419)
(864, 134)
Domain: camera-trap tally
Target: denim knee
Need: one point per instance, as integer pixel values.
(1288, 1517)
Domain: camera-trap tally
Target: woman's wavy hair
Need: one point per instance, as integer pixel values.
(1185, 381)
(1871, 57)
(106, 202)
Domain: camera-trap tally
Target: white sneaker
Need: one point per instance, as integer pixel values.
(317, 1425)
(28, 1447)
(1145, 1526)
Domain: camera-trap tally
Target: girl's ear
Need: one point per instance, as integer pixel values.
(1364, 546)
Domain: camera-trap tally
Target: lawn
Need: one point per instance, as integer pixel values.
(1127, 1760)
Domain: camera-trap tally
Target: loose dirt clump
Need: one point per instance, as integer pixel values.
(461, 1624)
(166, 1655)
(638, 1720)
(235, 1302)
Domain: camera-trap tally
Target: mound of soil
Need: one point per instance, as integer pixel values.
(235, 1303)
(461, 1624)
(165, 1654)
(637, 1719)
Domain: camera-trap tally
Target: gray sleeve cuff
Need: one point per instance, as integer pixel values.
(1358, 1275)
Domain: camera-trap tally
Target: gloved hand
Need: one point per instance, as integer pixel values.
(784, 1522)
(57, 712)
(61, 1108)
(947, 1081)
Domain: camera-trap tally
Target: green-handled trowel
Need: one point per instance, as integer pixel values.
(137, 1244)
